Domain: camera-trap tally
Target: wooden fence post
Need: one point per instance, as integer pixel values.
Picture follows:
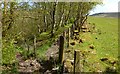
(77, 61)
(72, 30)
(68, 43)
(34, 46)
(64, 34)
(28, 50)
(61, 48)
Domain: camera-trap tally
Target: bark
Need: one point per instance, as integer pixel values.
(76, 22)
(44, 19)
(11, 15)
(4, 16)
(82, 21)
(5, 7)
(61, 19)
(39, 30)
(68, 15)
(85, 18)
(53, 19)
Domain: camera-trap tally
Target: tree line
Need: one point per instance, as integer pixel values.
(23, 21)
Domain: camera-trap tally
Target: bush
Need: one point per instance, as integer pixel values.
(8, 52)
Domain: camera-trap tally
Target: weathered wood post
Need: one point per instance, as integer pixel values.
(34, 46)
(61, 48)
(77, 61)
(27, 46)
(72, 30)
(28, 50)
(68, 43)
(64, 34)
(65, 37)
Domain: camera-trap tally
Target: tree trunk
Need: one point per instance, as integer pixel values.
(3, 18)
(67, 17)
(68, 43)
(11, 15)
(53, 19)
(44, 19)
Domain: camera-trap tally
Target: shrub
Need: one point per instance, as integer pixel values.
(8, 52)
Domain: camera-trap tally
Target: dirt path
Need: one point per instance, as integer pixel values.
(52, 52)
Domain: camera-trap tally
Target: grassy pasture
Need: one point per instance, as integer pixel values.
(105, 42)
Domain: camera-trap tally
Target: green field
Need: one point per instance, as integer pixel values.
(104, 39)
(107, 41)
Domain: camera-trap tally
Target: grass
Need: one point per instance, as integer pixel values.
(105, 41)
(42, 50)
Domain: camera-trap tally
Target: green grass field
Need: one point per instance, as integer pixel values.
(105, 42)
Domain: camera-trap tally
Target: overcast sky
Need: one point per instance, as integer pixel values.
(107, 6)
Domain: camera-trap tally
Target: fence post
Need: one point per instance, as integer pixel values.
(68, 43)
(77, 61)
(61, 48)
(64, 34)
(34, 46)
(72, 29)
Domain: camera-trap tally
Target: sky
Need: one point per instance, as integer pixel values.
(107, 6)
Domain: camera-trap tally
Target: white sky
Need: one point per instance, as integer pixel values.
(107, 6)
